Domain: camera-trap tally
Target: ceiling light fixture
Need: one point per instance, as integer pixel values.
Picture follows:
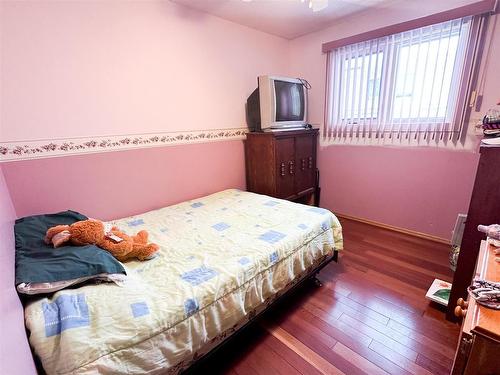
(315, 5)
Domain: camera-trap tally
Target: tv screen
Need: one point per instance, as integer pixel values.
(289, 101)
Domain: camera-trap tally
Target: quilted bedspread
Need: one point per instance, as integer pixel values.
(222, 259)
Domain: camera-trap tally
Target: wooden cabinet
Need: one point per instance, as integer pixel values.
(479, 344)
(484, 208)
(282, 164)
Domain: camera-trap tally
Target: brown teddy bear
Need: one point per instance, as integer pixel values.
(122, 246)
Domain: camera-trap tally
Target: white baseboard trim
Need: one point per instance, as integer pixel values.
(410, 232)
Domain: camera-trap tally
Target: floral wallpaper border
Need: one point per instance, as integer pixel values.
(61, 147)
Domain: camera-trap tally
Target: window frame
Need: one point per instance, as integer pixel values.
(383, 118)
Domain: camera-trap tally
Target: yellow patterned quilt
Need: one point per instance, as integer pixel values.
(222, 259)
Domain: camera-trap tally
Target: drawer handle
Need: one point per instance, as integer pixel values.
(303, 164)
(310, 162)
(291, 163)
(462, 303)
(459, 312)
(282, 169)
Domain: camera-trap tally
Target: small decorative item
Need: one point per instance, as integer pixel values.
(492, 117)
(493, 233)
(491, 122)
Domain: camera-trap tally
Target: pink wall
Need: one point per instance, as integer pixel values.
(15, 355)
(118, 184)
(95, 68)
(421, 189)
(92, 68)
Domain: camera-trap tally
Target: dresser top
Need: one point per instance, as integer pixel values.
(486, 321)
(284, 133)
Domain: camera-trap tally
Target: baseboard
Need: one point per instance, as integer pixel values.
(396, 229)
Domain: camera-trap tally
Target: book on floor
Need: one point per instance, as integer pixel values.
(439, 292)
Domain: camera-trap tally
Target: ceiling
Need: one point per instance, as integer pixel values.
(286, 18)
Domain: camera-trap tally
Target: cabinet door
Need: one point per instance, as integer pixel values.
(305, 177)
(483, 358)
(285, 168)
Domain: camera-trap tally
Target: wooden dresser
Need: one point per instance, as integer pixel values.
(478, 350)
(484, 208)
(283, 164)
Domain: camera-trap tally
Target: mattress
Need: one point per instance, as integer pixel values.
(222, 259)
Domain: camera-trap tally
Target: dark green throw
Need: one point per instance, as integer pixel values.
(37, 262)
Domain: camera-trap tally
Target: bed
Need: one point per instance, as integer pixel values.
(223, 259)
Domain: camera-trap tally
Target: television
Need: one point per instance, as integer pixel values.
(278, 103)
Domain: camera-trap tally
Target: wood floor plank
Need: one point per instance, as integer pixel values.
(273, 362)
(398, 359)
(405, 275)
(416, 259)
(316, 332)
(378, 360)
(395, 346)
(393, 282)
(318, 362)
(248, 366)
(358, 285)
(318, 312)
(245, 370)
(433, 366)
(353, 343)
(414, 340)
(319, 348)
(359, 361)
(337, 288)
(406, 265)
(337, 329)
(423, 257)
(293, 358)
(443, 335)
(385, 308)
(329, 302)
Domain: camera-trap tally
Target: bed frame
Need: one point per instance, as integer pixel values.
(197, 366)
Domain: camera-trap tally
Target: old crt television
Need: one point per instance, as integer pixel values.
(278, 103)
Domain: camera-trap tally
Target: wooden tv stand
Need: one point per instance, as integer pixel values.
(283, 164)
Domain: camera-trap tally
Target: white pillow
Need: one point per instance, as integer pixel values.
(39, 288)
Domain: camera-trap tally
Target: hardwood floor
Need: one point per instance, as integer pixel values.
(369, 317)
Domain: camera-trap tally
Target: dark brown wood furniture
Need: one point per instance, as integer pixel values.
(484, 208)
(283, 164)
(478, 350)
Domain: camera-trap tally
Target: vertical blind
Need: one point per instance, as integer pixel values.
(410, 85)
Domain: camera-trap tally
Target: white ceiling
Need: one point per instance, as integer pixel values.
(285, 18)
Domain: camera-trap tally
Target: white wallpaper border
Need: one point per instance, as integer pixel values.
(36, 149)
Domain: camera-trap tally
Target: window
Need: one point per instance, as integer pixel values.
(405, 85)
